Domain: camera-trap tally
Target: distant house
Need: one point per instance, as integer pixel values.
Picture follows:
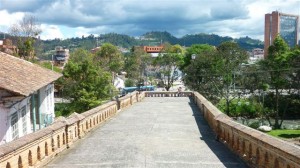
(153, 50)
(94, 50)
(26, 97)
(61, 56)
(7, 47)
(257, 54)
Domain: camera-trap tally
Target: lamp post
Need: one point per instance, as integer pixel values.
(193, 58)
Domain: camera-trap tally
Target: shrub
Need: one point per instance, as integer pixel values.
(255, 125)
(129, 83)
(241, 108)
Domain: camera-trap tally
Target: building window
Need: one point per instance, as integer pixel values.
(288, 29)
(49, 98)
(14, 125)
(24, 120)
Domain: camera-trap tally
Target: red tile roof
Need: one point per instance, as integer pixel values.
(153, 49)
(23, 77)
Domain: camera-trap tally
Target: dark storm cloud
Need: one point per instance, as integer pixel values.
(229, 10)
(23, 5)
(130, 16)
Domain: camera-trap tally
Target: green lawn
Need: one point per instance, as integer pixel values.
(286, 134)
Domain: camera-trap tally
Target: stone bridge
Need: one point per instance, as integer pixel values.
(150, 129)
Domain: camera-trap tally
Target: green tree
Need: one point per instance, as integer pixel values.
(136, 62)
(25, 31)
(214, 73)
(85, 83)
(110, 58)
(200, 76)
(227, 65)
(294, 60)
(169, 61)
(197, 50)
(277, 64)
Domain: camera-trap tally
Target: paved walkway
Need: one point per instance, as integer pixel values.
(157, 132)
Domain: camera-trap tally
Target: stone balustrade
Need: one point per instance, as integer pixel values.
(167, 94)
(257, 149)
(38, 148)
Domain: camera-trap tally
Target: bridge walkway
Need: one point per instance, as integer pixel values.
(157, 132)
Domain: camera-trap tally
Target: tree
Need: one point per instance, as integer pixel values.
(110, 58)
(26, 30)
(277, 65)
(294, 60)
(169, 61)
(214, 72)
(133, 62)
(197, 49)
(136, 64)
(85, 83)
(227, 65)
(199, 70)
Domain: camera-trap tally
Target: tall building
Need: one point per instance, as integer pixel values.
(61, 56)
(286, 25)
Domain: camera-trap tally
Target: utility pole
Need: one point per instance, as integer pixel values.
(52, 62)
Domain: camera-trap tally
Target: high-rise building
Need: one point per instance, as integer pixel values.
(286, 25)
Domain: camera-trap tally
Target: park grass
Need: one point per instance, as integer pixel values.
(285, 134)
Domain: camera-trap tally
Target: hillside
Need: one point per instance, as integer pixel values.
(149, 38)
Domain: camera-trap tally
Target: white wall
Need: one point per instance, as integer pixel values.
(47, 104)
(5, 120)
(3, 124)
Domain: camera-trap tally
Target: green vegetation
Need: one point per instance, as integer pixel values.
(285, 134)
(272, 86)
(63, 109)
(151, 38)
(48, 65)
(241, 108)
(109, 58)
(169, 62)
(136, 63)
(86, 82)
(212, 72)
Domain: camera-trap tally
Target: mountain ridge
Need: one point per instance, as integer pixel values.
(149, 38)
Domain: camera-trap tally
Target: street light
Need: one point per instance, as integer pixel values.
(193, 58)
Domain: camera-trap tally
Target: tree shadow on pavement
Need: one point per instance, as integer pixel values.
(228, 158)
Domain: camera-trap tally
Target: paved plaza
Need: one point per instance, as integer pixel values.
(157, 132)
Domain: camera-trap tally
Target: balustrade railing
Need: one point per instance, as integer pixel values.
(167, 94)
(38, 148)
(254, 147)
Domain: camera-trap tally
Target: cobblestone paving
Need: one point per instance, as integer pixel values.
(157, 132)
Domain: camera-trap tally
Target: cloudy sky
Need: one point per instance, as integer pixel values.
(72, 18)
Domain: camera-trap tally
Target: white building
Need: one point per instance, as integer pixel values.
(26, 97)
(257, 54)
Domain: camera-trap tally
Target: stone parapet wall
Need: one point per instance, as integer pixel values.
(256, 148)
(167, 94)
(38, 148)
